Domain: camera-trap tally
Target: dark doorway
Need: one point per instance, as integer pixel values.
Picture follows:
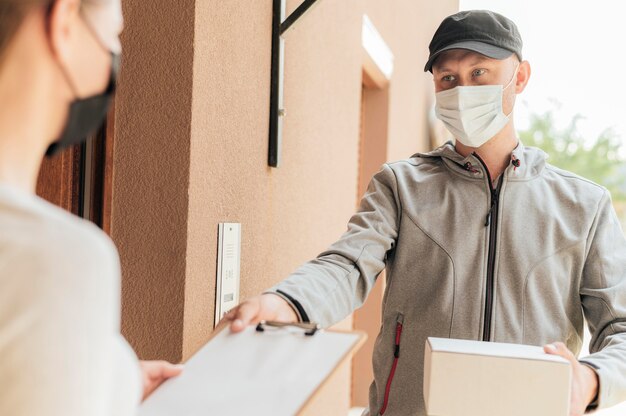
(79, 179)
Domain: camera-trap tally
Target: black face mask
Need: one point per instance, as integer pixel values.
(86, 115)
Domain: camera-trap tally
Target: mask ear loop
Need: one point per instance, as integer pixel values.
(509, 84)
(115, 58)
(64, 71)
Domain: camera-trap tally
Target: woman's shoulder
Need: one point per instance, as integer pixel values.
(47, 240)
(32, 220)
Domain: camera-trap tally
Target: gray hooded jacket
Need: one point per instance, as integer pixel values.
(523, 263)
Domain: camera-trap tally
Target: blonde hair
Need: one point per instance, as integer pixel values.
(12, 14)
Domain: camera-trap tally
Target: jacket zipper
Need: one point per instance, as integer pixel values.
(491, 221)
(396, 355)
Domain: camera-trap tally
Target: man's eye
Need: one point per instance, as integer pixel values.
(448, 78)
(478, 72)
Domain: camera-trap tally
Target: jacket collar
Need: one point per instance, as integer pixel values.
(526, 162)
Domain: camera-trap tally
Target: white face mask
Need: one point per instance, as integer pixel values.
(473, 114)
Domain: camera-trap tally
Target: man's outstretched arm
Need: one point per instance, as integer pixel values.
(327, 289)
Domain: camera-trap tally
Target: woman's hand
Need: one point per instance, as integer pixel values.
(154, 373)
(584, 379)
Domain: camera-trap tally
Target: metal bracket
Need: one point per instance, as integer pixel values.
(280, 25)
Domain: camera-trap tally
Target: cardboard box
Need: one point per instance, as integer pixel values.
(472, 378)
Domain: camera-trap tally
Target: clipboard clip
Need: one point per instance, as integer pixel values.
(309, 328)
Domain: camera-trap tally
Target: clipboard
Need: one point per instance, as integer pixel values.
(271, 369)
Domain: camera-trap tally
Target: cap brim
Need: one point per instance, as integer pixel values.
(482, 48)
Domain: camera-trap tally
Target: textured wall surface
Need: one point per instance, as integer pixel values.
(288, 214)
(291, 213)
(151, 172)
(191, 151)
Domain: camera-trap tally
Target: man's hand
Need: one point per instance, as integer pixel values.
(266, 307)
(584, 379)
(154, 373)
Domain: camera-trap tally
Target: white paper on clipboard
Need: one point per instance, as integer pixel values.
(253, 373)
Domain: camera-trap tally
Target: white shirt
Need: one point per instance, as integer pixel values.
(61, 352)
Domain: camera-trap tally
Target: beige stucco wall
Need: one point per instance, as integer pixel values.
(191, 150)
(151, 172)
(290, 213)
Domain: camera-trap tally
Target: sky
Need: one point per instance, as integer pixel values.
(577, 54)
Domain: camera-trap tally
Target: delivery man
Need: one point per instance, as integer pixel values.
(481, 239)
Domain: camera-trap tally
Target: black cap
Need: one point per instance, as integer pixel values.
(482, 31)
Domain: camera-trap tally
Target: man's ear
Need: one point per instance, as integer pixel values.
(61, 24)
(523, 75)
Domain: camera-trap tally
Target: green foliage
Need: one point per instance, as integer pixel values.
(601, 161)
